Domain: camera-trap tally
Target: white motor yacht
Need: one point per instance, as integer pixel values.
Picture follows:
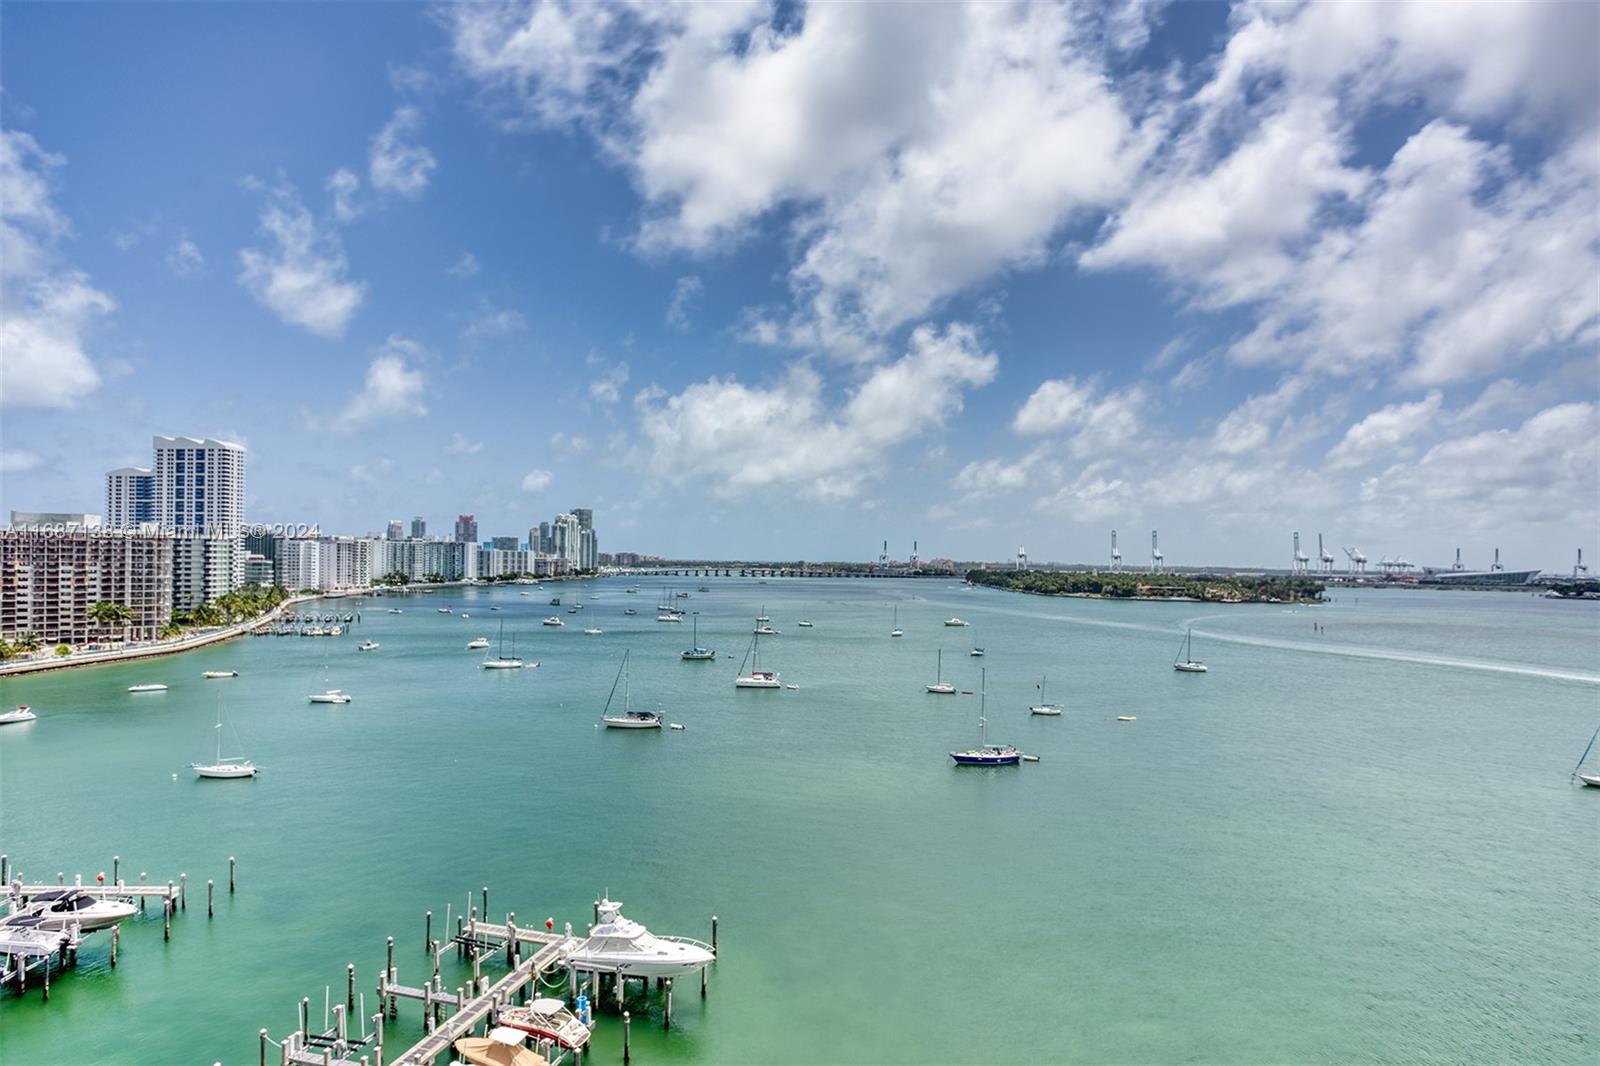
(477, 643)
(956, 622)
(61, 908)
(147, 688)
(367, 645)
(21, 714)
(669, 617)
(212, 675)
(554, 621)
(805, 623)
(333, 695)
(620, 945)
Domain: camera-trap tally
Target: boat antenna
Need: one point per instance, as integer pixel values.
(1586, 750)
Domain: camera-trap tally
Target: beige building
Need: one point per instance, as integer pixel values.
(49, 580)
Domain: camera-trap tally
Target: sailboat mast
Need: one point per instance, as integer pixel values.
(983, 706)
(1588, 748)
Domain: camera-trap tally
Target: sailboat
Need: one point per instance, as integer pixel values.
(501, 661)
(1592, 780)
(233, 766)
(986, 754)
(762, 619)
(629, 718)
(897, 631)
(940, 686)
(1186, 662)
(331, 695)
(695, 651)
(1042, 708)
(757, 677)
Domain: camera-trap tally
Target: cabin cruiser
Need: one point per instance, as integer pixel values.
(622, 946)
(766, 631)
(956, 622)
(554, 621)
(669, 617)
(477, 643)
(547, 1019)
(333, 695)
(805, 623)
(21, 714)
(61, 908)
(630, 610)
(367, 645)
(396, 610)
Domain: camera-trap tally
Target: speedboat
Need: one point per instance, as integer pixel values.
(58, 909)
(443, 610)
(633, 588)
(703, 588)
(212, 675)
(619, 945)
(976, 652)
(333, 695)
(941, 687)
(956, 622)
(547, 1019)
(367, 645)
(554, 621)
(396, 610)
(593, 631)
(21, 714)
(805, 623)
(477, 642)
(766, 631)
(147, 688)
(630, 610)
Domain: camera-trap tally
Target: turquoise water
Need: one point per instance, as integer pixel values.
(1353, 846)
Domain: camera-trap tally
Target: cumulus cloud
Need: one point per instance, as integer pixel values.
(300, 275)
(393, 387)
(684, 293)
(1383, 432)
(607, 386)
(50, 308)
(1097, 419)
(488, 322)
(716, 428)
(460, 445)
(344, 187)
(397, 164)
(537, 480)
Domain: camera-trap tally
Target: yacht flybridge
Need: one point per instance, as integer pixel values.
(622, 946)
(757, 677)
(940, 686)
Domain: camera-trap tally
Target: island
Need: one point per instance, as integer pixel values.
(1207, 588)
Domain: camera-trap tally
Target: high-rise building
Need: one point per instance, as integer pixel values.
(565, 536)
(419, 527)
(466, 529)
(130, 497)
(397, 531)
(503, 544)
(546, 544)
(59, 521)
(199, 499)
(50, 578)
(588, 542)
(300, 563)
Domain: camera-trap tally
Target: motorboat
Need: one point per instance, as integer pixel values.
(987, 754)
(630, 611)
(956, 622)
(332, 695)
(572, 610)
(58, 909)
(683, 595)
(703, 588)
(593, 631)
(941, 687)
(147, 688)
(464, 614)
(757, 677)
(502, 1047)
(805, 623)
(367, 645)
(762, 619)
(396, 610)
(1043, 708)
(695, 652)
(622, 946)
(1186, 662)
(629, 718)
(443, 610)
(212, 675)
(219, 767)
(977, 652)
(477, 643)
(547, 1019)
(766, 631)
(21, 714)
(1127, 718)
(554, 621)
(670, 616)
(632, 588)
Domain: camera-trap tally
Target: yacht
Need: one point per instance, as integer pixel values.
(956, 622)
(629, 718)
(1043, 708)
(554, 621)
(897, 631)
(619, 945)
(547, 1019)
(58, 909)
(147, 688)
(443, 610)
(1186, 662)
(986, 754)
(332, 695)
(212, 675)
(219, 767)
(940, 686)
(762, 619)
(695, 651)
(367, 645)
(757, 677)
(477, 643)
(502, 661)
(21, 714)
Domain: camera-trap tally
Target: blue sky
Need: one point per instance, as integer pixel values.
(787, 281)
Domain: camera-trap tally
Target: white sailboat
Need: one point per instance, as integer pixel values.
(629, 718)
(147, 688)
(897, 631)
(940, 686)
(757, 677)
(1592, 780)
(477, 643)
(1186, 662)
(329, 695)
(232, 766)
(1044, 708)
(502, 661)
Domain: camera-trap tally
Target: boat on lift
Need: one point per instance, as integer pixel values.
(59, 909)
(757, 677)
(547, 1019)
(1186, 663)
(695, 652)
(212, 675)
(21, 714)
(629, 718)
(986, 754)
(1043, 708)
(940, 686)
(624, 947)
(502, 1047)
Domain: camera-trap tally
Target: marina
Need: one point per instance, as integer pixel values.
(854, 763)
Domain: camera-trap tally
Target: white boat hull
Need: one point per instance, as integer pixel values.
(329, 697)
(502, 664)
(756, 682)
(102, 915)
(626, 723)
(147, 688)
(942, 688)
(19, 715)
(1591, 780)
(1189, 668)
(1045, 711)
(226, 770)
(212, 675)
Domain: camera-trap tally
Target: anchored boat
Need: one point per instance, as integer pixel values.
(1043, 708)
(233, 766)
(21, 714)
(629, 718)
(695, 652)
(940, 686)
(757, 677)
(1186, 663)
(986, 754)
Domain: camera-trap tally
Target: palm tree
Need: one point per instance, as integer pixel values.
(28, 641)
(107, 613)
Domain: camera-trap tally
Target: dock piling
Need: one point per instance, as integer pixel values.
(166, 918)
(485, 911)
(350, 986)
(305, 1016)
(116, 932)
(210, 891)
(5, 869)
(231, 864)
(713, 934)
(262, 1038)
(61, 877)
(141, 885)
(627, 1038)
(183, 891)
(667, 1024)
(427, 931)
(116, 870)
(702, 982)
(377, 1022)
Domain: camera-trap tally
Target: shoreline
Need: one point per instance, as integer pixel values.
(150, 651)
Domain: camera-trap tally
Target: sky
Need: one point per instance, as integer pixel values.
(785, 281)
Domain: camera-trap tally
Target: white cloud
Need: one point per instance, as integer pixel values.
(488, 322)
(393, 387)
(397, 164)
(18, 460)
(465, 267)
(607, 387)
(345, 188)
(998, 475)
(1053, 405)
(574, 442)
(301, 275)
(49, 308)
(684, 293)
(786, 434)
(537, 480)
(1380, 434)
(185, 259)
(460, 445)
(1098, 421)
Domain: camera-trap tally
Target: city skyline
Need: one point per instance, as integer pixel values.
(1182, 270)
